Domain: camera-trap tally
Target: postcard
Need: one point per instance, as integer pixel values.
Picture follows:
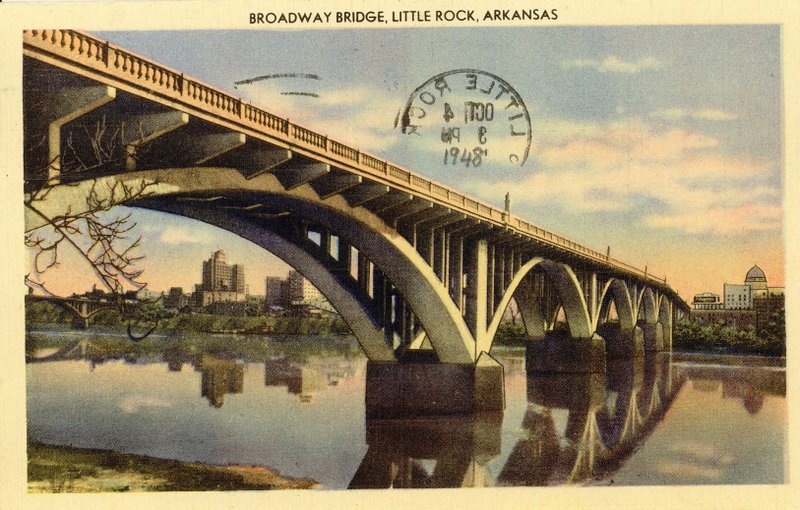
(306, 253)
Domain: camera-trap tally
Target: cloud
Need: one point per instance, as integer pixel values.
(133, 403)
(354, 115)
(614, 64)
(696, 460)
(346, 96)
(722, 220)
(678, 179)
(178, 235)
(681, 469)
(703, 452)
(709, 114)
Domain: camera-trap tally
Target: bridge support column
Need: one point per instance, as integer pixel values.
(476, 293)
(653, 336)
(409, 389)
(80, 323)
(558, 352)
(622, 343)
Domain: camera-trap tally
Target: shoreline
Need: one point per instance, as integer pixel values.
(54, 468)
(731, 359)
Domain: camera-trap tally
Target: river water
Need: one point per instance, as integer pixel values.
(665, 420)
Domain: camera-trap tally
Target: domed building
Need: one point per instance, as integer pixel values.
(757, 280)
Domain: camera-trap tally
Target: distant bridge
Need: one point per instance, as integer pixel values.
(80, 308)
(418, 270)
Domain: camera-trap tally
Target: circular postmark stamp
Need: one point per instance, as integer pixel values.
(473, 116)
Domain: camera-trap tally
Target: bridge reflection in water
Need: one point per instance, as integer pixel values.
(432, 452)
(609, 416)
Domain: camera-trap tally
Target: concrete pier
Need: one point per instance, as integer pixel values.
(559, 353)
(433, 389)
(653, 336)
(622, 343)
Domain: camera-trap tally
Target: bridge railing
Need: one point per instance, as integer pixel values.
(151, 77)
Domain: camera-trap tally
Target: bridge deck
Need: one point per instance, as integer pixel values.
(113, 64)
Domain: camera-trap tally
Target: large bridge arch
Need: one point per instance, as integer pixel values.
(66, 307)
(362, 229)
(568, 288)
(353, 310)
(647, 319)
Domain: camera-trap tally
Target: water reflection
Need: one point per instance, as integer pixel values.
(80, 349)
(219, 376)
(608, 415)
(557, 428)
(299, 380)
(437, 452)
(748, 384)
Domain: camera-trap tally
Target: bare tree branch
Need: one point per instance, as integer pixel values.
(104, 241)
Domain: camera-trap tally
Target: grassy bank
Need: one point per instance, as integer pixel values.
(43, 313)
(65, 469)
(698, 336)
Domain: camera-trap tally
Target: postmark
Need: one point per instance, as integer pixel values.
(475, 117)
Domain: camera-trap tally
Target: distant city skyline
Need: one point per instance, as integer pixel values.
(663, 143)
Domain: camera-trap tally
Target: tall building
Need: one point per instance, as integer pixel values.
(221, 283)
(273, 292)
(237, 279)
(218, 275)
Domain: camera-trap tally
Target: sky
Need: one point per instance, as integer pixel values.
(663, 143)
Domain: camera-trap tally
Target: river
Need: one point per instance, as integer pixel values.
(299, 408)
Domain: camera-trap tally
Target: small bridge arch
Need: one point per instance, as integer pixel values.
(563, 280)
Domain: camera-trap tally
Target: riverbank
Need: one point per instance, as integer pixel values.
(164, 321)
(67, 469)
(733, 360)
(105, 343)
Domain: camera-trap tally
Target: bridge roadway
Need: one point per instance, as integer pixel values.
(421, 272)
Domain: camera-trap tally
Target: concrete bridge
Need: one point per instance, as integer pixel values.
(420, 272)
(80, 308)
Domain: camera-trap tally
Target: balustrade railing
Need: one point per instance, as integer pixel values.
(153, 77)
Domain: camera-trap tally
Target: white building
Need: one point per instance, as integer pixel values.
(301, 291)
(707, 301)
(738, 297)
